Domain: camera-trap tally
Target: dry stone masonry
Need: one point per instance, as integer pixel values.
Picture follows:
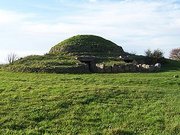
(126, 68)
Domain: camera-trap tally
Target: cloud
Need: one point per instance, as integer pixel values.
(9, 17)
(135, 25)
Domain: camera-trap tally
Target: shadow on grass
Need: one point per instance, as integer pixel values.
(118, 131)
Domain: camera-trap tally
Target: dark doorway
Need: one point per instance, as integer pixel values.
(89, 64)
(89, 61)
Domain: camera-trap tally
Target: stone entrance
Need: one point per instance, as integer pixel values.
(89, 61)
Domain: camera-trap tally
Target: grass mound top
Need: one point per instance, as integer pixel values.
(87, 44)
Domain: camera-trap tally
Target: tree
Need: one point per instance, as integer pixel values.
(153, 57)
(157, 54)
(148, 53)
(175, 54)
(12, 58)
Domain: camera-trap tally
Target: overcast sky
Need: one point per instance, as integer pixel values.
(34, 26)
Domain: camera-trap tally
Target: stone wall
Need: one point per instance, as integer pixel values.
(126, 68)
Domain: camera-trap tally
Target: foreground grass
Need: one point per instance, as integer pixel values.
(90, 103)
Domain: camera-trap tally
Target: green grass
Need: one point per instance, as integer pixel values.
(43, 63)
(47, 60)
(127, 104)
(87, 44)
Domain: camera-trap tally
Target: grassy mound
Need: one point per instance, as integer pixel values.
(47, 63)
(63, 58)
(87, 44)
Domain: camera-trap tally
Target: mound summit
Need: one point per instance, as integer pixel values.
(87, 44)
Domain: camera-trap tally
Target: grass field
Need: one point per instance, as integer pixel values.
(109, 104)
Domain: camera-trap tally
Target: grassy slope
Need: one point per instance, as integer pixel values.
(87, 44)
(89, 104)
(43, 63)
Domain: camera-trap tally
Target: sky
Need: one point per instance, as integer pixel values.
(29, 27)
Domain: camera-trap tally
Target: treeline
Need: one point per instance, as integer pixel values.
(157, 54)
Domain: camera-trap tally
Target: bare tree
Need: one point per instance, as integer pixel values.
(175, 54)
(11, 58)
